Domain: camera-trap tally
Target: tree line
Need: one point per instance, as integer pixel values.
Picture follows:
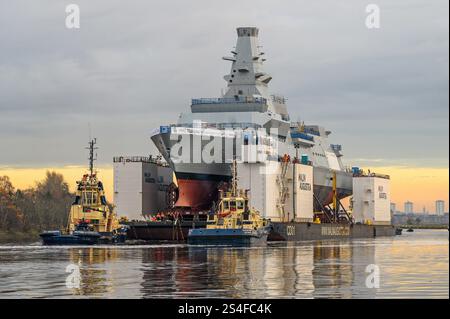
(44, 206)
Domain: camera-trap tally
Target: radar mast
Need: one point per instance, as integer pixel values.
(92, 157)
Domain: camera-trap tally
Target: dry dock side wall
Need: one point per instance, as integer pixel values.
(263, 181)
(371, 200)
(140, 186)
(311, 231)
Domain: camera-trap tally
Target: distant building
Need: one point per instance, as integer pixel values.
(440, 206)
(419, 218)
(393, 208)
(409, 207)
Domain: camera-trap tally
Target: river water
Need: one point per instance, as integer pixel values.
(413, 265)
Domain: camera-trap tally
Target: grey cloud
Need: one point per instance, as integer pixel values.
(135, 65)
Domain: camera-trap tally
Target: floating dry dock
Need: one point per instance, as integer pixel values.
(285, 196)
(294, 218)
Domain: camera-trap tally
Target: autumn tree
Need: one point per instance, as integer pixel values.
(46, 206)
(52, 201)
(11, 217)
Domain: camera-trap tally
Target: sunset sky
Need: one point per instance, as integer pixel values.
(419, 185)
(135, 65)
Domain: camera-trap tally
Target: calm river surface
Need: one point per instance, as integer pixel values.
(414, 265)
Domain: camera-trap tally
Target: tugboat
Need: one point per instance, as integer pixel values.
(91, 221)
(84, 234)
(232, 222)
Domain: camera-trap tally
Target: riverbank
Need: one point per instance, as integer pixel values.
(7, 237)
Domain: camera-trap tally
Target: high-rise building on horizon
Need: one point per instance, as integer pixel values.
(409, 207)
(393, 208)
(440, 207)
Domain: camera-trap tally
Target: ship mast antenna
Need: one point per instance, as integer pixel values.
(92, 158)
(234, 182)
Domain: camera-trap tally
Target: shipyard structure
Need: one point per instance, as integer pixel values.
(141, 184)
(294, 175)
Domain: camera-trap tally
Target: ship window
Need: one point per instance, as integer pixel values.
(240, 204)
(89, 198)
(86, 198)
(232, 205)
(226, 205)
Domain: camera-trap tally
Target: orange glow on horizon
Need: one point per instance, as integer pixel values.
(423, 186)
(23, 178)
(420, 185)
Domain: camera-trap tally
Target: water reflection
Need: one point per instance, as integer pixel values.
(318, 269)
(93, 280)
(414, 265)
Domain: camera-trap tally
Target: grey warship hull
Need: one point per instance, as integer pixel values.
(206, 177)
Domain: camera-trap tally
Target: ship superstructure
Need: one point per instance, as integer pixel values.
(237, 119)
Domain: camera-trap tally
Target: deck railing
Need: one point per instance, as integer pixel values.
(257, 100)
(140, 159)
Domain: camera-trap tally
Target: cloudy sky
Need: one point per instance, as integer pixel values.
(134, 65)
